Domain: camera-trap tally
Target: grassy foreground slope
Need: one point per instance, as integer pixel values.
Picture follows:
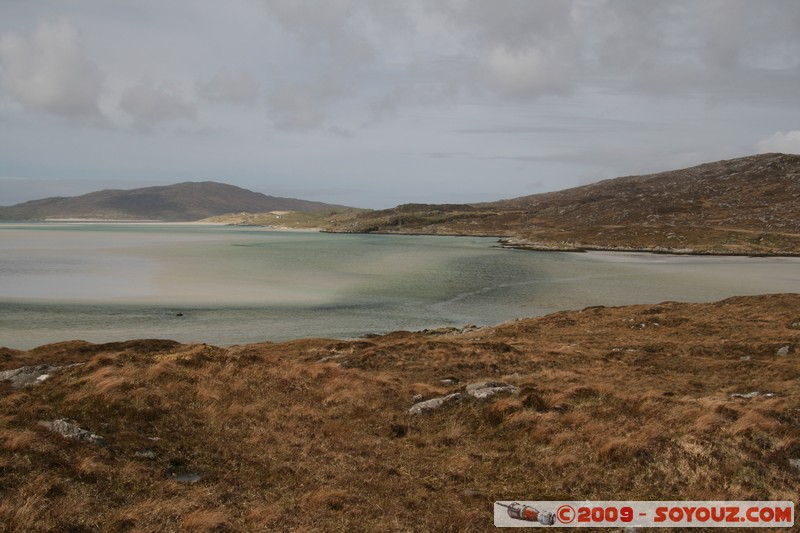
(614, 403)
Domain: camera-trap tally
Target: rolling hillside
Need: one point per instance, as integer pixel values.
(738, 206)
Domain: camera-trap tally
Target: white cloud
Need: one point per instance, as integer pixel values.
(227, 86)
(48, 72)
(149, 105)
(787, 143)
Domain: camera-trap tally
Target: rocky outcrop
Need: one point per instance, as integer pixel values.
(30, 375)
(69, 429)
(435, 403)
(754, 394)
(480, 391)
(487, 389)
(744, 206)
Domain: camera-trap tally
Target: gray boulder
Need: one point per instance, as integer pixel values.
(480, 391)
(31, 375)
(486, 389)
(754, 394)
(27, 375)
(70, 430)
(435, 403)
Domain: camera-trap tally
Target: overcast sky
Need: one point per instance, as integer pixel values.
(375, 103)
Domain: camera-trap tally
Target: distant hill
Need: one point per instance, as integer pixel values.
(749, 205)
(186, 201)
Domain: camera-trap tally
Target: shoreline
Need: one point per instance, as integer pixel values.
(504, 241)
(467, 330)
(643, 250)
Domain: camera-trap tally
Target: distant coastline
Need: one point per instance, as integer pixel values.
(504, 241)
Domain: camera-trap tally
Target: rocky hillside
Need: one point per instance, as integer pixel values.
(187, 201)
(406, 431)
(740, 206)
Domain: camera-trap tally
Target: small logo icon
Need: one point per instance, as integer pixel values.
(517, 511)
(565, 514)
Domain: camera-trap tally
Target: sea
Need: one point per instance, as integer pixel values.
(229, 285)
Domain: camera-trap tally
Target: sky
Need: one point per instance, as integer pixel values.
(375, 103)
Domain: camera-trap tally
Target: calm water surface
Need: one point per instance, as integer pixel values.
(226, 285)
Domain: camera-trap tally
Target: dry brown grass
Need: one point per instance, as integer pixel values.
(17, 440)
(204, 520)
(282, 442)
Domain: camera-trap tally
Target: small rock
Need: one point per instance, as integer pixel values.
(753, 394)
(795, 463)
(473, 494)
(783, 351)
(189, 478)
(417, 398)
(145, 454)
(70, 430)
(449, 381)
(330, 358)
(745, 358)
(486, 389)
(435, 403)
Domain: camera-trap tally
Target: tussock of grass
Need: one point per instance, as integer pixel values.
(283, 442)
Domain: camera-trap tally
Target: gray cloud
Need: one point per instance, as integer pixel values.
(150, 105)
(231, 87)
(497, 94)
(446, 155)
(787, 143)
(295, 106)
(47, 71)
(346, 31)
(443, 53)
(527, 49)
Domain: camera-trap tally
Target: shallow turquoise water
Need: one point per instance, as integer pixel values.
(103, 282)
